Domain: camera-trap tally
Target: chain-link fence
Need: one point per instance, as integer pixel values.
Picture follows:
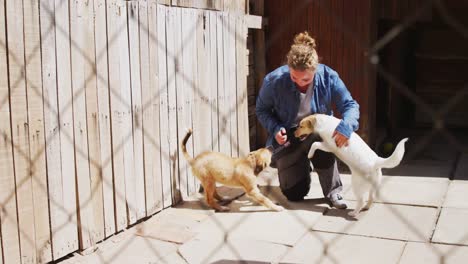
(96, 95)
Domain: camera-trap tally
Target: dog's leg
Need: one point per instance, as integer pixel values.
(370, 201)
(315, 146)
(358, 208)
(359, 190)
(258, 197)
(373, 189)
(210, 190)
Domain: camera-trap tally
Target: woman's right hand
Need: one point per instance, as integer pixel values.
(281, 137)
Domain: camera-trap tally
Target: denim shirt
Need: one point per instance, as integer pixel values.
(278, 101)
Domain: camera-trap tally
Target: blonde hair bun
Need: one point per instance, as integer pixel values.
(302, 55)
(304, 39)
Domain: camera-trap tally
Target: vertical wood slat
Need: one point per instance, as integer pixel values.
(230, 81)
(163, 49)
(173, 49)
(79, 82)
(126, 104)
(214, 80)
(20, 131)
(36, 131)
(241, 87)
(8, 215)
(150, 87)
(223, 107)
(103, 117)
(136, 109)
(96, 200)
(115, 26)
(68, 185)
(202, 97)
(181, 94)
(189, 91)
(51, 125)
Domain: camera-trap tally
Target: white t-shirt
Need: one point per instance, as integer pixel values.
(304, 105)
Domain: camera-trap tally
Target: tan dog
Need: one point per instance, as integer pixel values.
(211, 167)
(365, 165)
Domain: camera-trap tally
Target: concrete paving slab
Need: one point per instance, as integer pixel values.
(421, 191)
(217, 250)
(400, 222)
(422, 168)
(277, 227)
(425, 253)
(320, 247)
(451, 227)
(134, 249)
(170, 232)
(457, 194)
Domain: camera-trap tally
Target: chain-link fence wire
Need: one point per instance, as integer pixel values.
(436, 114)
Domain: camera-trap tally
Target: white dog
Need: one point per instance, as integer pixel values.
(365, 165)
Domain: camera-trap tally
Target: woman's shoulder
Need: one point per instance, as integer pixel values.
(278, 74)
(326, 73)
(324, 69)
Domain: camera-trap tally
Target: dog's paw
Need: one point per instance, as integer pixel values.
(353, 214)
(278, 208)
(222, 209)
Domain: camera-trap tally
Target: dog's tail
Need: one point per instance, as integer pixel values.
(395, 159)
(184, 148)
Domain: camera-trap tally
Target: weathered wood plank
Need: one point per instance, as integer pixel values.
(36, 131)
(79, 60)
(65, 99)
(96, 217)
(188, 78)
(51, 125)
(201, 4)
(230, 81)
(137, 118)
(115, 26)
(201, 91)
(173, 66)
(214, 79)
(163, 48)
(102, 118)
(126, 108)
(242, 70)
(223, 106)
(20, 130)
(150, 86)
(10, 245)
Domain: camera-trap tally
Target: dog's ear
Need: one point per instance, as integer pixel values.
(255, 162)
(310, 121)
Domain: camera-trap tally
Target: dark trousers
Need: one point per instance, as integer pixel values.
(294, 168)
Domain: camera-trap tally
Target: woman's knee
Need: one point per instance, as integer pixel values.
(298, 191)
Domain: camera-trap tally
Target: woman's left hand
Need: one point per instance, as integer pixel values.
(340, 139)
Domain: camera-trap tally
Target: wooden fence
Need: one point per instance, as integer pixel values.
(95, 97)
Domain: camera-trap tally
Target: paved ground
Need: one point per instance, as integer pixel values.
(417, 219)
